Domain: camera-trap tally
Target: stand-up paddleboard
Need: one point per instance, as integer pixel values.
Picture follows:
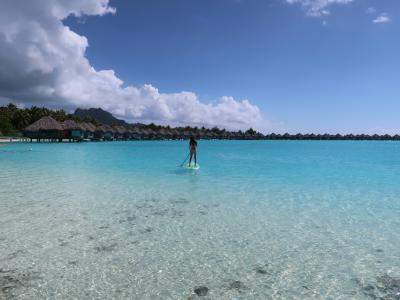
(193, 166)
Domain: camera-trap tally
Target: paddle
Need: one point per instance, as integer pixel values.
(185, 160)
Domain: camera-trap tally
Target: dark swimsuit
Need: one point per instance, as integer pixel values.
(193, 147)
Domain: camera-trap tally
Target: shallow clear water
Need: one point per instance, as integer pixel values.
(258, 220)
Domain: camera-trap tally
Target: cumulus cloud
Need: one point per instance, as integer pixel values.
(382, 18)
(42, 61)
(318, 8)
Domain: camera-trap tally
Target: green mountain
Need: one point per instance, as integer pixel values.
(100, 115)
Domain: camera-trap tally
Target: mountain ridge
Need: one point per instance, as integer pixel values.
(102, 116)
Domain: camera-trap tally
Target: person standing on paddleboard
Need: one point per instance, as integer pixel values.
(193, 150)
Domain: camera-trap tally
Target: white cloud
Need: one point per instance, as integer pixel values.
(42, 61)
(371, 10)
(318, 8)
(382, 18)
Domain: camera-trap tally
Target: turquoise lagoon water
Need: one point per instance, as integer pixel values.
(259, 220)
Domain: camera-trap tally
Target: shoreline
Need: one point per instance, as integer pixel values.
(13, 140)
(21, 140)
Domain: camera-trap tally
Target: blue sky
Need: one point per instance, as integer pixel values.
(338, 71)
(335, 73)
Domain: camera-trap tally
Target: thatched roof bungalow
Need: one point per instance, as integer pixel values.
(249, 136)
(175, 135)
(237, 135)
(72, 130)
(194, 133)
(119, 132)
(127, 135)
(164, 134)
(160, 134)
(169, 134)
(104, 132)
(99, 133)
(144, 134)
(88, 130)
(199, 134)
(151, 134)
(230, 135)
(210, 135)
(218, 135)
(186, 134)
(48, 128)
(45, 128)
(135, 133)
(225, 135)
(109, 133)
(90, 127)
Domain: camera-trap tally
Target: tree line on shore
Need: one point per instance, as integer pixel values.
(14, 120)
(326, 136)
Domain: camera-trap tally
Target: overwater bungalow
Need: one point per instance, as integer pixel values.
(197, 134)
(228, 135)
(88, 130)
(193, 133)
(135, 133)
(174, 134)
(99, 133)
(104, 133)
(157, 135)
(238, 135)
(72, 130)
(45, 129)
(210, 135)
(127, 135)
(48, 128)
(160, 134)
(186, 135)
(249, 136)
(109, 134)
(144, 134)
(119, 132)
(169, 135)
(225, 135)
(164, 134)
(203, 134)
(152, 135)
